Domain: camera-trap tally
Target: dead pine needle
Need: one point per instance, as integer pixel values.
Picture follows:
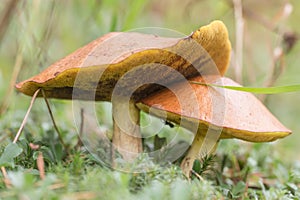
(40, 160)
(5, 178)
(41, 165)
(53, 121)
(26, 116)
(82, 195)
(34, 146)
(197, 175)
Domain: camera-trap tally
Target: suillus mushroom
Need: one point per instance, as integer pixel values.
(132, 71)
(93, 71)
(226, 113)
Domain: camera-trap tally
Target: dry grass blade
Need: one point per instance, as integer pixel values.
(278, 66)
(44, 41)
(26, 116)
(53, 121)
(6, 17)
(17, 68)
(6, 179)
(81, 195)
(56, 186)
(239, 28)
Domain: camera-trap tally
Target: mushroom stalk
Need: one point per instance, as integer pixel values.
(196, 151)
(126, 138)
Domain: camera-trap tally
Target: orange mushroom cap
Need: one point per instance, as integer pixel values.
(243, 116)
(116, 53)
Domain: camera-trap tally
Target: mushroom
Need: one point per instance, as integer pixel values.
(223, 114)
(100, 71)
(123, 68)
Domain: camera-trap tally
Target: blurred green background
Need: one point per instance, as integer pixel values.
(38, 33)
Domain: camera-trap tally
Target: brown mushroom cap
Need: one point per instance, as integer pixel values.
(132, 50)
(244, 116)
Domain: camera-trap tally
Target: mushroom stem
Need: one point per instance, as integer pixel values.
(196, 151)
(126, 137)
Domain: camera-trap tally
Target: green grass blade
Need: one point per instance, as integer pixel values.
(257, 90)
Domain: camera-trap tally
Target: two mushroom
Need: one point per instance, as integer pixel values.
(145, 72)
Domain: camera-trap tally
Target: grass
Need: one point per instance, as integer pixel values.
(41, 32)
(230, 174)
